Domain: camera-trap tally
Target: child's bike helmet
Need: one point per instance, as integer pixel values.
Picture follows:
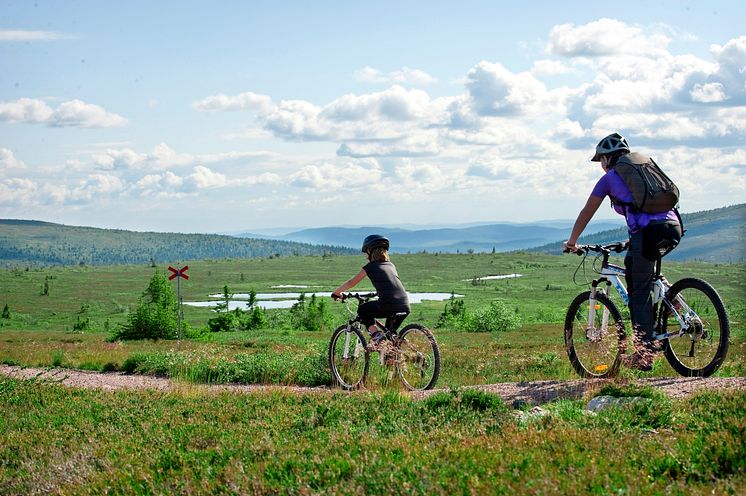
(375, 241)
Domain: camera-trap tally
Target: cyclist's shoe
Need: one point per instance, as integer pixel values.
(378, 342)
(640, 360)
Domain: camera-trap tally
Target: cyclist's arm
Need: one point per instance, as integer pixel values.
(351, 283)
(585, 215)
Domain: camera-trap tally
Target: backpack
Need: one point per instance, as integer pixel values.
(652, 190)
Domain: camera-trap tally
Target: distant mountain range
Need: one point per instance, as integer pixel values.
(713, 235)
(478, 238)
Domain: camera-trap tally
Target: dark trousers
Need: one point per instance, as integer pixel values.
(371, 310)
(645, 248)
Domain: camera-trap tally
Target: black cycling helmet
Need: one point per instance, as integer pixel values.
(375, 241)
(610, 144)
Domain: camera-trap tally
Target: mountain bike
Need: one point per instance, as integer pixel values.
(691, 324)
(412, 352)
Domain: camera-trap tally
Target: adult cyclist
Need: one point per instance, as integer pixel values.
(651, 236)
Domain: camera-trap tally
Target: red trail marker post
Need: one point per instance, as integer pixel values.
(178, 274)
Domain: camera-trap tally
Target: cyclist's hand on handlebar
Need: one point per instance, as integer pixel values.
(337, 297)
(569, 248)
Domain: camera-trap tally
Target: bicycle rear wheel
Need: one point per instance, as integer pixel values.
(348, 358)
(702, 344)
(418, 360)
(594, 337)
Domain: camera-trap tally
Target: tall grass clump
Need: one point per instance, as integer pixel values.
(264, 367)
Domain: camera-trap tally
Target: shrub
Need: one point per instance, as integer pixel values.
(495, 318)
(454, 313)
(156, 315)
(311, 316)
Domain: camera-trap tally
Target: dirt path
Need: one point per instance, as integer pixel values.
(535, 392)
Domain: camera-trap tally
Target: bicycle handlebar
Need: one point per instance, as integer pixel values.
(362, 298)
(616, 247)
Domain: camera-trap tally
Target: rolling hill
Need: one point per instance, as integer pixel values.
(27, 242)
(711, 235)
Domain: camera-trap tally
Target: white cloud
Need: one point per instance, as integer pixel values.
(494, 90)
(405, 75)
(73, 113)
(19, 35)
(16, 192)
(550, 68)
(8, 161)
(25, 110)
(328, 177)
(76, 113)
(202, 177)
(603, 38)
(708, 93)
(243, 101)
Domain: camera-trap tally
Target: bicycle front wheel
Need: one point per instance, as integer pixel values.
(418, 361)
(701, 323)
(348, 358)
(594, 336)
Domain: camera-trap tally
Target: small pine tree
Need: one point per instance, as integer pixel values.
(6, 311)
(156, 315)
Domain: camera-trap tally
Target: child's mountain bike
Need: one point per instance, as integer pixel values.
(691, 327)
(412, 352)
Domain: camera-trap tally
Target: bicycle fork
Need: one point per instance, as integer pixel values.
(356, 351)
(593, 332)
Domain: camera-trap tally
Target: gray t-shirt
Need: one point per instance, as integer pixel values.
(385, 279)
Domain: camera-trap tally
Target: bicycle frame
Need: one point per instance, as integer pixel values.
(612, 275)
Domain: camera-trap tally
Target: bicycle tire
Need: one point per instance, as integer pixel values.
(418, 358)
(349, 371)
(594, 353)
(708, 332)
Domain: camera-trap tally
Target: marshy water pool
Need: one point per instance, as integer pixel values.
(286, 300)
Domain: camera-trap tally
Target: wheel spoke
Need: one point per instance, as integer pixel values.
(594, 336)
(418, 358)
(347, 357)
(699, 328)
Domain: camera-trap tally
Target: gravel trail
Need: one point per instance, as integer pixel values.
(534, 392)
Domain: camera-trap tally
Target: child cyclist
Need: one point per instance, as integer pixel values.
(392, 297)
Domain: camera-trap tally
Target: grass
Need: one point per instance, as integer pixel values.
(69, 441)
(40, 330)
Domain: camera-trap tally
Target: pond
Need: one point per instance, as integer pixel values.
(489, 278)
(286, 300)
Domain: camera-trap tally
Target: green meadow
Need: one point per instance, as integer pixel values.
(193, 440)
(63, 316)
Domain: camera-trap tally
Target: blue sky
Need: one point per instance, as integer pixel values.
(226, 116)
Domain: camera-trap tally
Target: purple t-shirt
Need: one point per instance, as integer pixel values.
(611, 185)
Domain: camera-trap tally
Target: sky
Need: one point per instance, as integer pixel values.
(231, 116)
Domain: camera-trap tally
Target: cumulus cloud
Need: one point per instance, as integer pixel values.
(494, 90)
(405, 75)
(708, 93)
(243, 101)
(17, 191)
(547, 67)
(603, 38)
(73, 113)
(8, 161)
(329, 177)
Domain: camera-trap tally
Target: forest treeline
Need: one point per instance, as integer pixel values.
(34, 243)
